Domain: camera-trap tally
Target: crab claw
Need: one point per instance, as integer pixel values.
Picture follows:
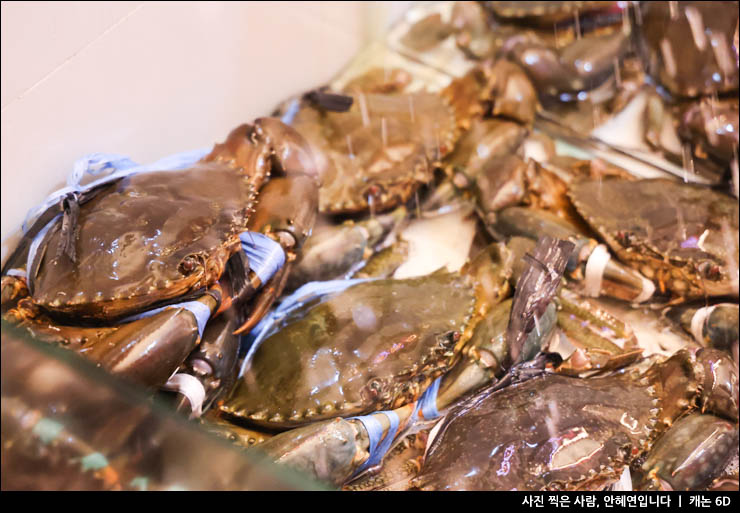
(689, 455)
(291, 153)
(149, 350)
(287, 212)
(212, 364)
(590, 263)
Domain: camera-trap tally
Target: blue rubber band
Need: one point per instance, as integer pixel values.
(37, 241)
(21, 273)
(428, 401)
(265, 255)
(95, 164)
(291, 112)
(379, 444)
(119, 165)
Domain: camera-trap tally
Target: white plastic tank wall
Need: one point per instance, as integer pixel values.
(151, 79)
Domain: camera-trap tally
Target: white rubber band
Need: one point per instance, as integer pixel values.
(698, 320)
(595, 270)
(648, 288)
(191, 388)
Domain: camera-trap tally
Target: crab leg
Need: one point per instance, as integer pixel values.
(589, 263)
(146, 351)
(332, 251)
(213, 364)
(334, 450)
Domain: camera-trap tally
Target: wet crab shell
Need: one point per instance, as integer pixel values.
(556, 432)
(547, 14)
(547, 433)
(376, 346)
(150, 237)
(683, 236)
(376, 155)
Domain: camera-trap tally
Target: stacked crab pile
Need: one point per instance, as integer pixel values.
(447, 302)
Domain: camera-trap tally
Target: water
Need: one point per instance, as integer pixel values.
(673, 7)
(668, 58)
(688, 161)
(363, 110)
(349, 147)
(696, 23)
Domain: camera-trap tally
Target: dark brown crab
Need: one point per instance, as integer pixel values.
(156, 236)
(376, 155)
(151, 238)
(555, 432)
(682, 236)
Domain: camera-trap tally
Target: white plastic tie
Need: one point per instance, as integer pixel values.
(698, 320)
(625, 481)
(595, 270)
(37, 241)
(191, 388)
(648, 288)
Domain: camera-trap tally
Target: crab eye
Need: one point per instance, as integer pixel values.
(709, 270)
(624, 238)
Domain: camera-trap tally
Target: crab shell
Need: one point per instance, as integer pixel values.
(375, 346)
(376, 155)
(683, 236)
(556, 432)
(547, 14)
(156, 236)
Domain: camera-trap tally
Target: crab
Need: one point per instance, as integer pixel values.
(559, 14)
(689, 456)
(682, 236)
(376, 346)
(374, 156)
(561, 433)
(500, 182)
(333, 251)
(484, 357)
(579, 57)
(131, 253)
